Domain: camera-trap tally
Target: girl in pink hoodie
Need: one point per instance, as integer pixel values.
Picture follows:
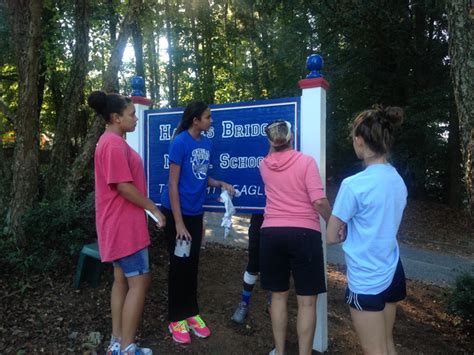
(291, 235)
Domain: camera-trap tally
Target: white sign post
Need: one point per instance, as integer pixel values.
(313, 142)
(136, 139)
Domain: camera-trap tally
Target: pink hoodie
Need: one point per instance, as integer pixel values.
(292, 184)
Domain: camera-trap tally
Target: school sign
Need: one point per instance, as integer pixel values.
(239, 144)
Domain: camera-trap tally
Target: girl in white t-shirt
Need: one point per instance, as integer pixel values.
(370, 205)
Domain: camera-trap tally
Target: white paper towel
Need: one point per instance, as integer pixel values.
(226, 199)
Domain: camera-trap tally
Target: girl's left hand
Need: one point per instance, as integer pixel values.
(342, 233)
(161, 218)
(229, 188)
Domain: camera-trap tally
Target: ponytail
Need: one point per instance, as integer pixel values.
(376, 127)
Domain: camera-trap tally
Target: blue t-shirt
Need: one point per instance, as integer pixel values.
(371, 203)
(193, 156)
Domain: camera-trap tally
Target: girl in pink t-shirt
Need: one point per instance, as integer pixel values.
(290, 238)
(120, 199)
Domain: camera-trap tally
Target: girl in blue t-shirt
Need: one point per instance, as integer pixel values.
(182, 202)
(368, 210)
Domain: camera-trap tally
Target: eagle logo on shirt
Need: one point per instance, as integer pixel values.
(200, 163)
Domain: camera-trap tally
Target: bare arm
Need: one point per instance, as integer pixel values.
(181, 230)
(323, 207)
(223, 185)
(335, 230)
(129, 192)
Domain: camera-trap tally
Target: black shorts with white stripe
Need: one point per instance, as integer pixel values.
(376, 303)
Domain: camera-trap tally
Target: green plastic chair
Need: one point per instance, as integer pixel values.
(89, 266)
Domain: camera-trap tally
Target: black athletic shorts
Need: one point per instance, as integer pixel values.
(299, 251)
(375, 303)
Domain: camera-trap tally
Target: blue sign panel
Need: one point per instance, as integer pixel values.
(239, 144)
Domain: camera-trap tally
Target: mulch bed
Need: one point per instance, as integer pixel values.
(45, 314)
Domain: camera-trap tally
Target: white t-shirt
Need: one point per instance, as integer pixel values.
(371, 203)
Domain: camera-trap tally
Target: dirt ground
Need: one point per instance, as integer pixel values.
(45, 314)
(437, 227)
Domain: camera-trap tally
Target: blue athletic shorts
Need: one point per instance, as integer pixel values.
(376, 303)
(135, 264)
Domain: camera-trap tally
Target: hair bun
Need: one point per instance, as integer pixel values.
(97, 100)
(278, 133)
(395, 115)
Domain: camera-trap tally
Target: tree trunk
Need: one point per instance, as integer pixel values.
(3, 172)
(69, 110)
(420, 50)
(461, 52)
(5, 179)
(2, 165)
(81, 162)
(25, 19)
(113, 21)
(153, 64)
(190, 8)
(54, 84)
(454, 188)
(265, 50)
(112, 13)
(208, 89)
(138, 48)
(4, 169)
(172, 102)
(256, 91)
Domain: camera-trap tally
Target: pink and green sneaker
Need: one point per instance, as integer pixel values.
(180, 332)
(197, 325)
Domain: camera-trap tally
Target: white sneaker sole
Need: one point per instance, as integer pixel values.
(199, 335)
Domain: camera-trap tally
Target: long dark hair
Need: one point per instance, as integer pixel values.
(106, 104)
(194, 109)
(376, 127)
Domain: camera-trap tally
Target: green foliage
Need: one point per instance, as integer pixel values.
(5, 186)
(8, 76)
(55, 233)
(461, 300)
(6, 49)
(390, 55)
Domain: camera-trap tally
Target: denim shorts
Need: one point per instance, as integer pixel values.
(376, 303)
(135, 264)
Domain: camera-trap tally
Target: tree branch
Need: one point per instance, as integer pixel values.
(80, 164)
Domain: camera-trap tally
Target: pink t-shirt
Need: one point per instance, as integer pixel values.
(292, 184)
(121, 225)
